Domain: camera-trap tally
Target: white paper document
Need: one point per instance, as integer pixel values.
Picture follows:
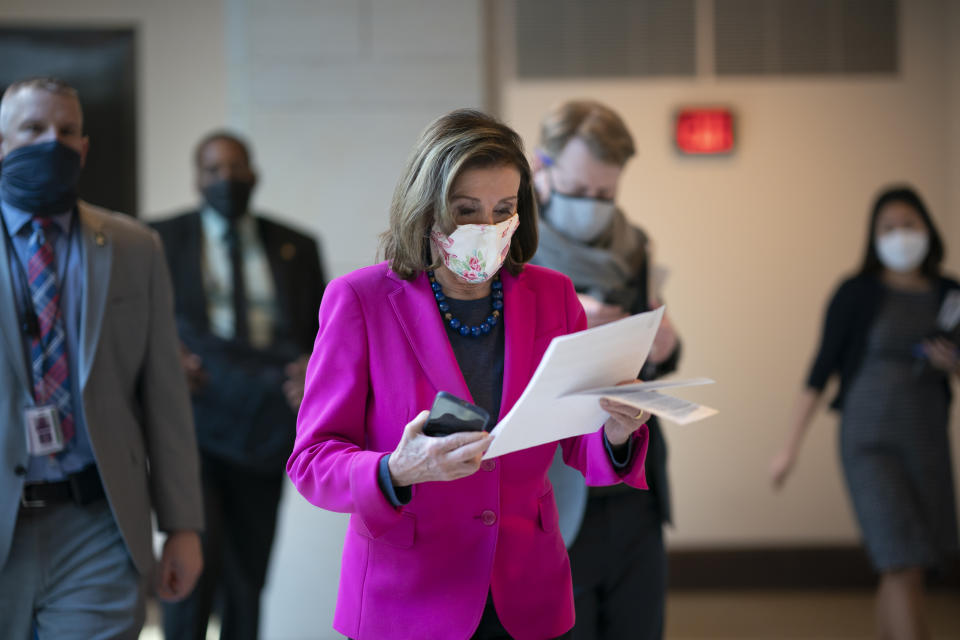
(630, 389)
(644, 396)
(668, 407)
(949, 316)
(658, 278)
(560, 400)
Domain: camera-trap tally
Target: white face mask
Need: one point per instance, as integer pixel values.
(580, 219)
(903, 249)
(475, 252)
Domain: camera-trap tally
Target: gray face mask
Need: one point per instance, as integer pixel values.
(580, 219)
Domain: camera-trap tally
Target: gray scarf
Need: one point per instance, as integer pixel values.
(611, 269)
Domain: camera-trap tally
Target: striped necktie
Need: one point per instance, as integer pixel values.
(48, 349)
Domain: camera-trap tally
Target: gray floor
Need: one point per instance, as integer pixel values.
(152, 631)
(749, 615)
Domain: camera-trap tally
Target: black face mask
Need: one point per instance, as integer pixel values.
(229, 198)
(41, 178)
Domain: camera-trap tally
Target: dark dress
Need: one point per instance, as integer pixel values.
(895, 442)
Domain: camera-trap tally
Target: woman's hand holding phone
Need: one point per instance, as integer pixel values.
(422, 458)
(450, 414)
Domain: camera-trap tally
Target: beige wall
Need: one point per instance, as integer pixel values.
(181, 79)
(755, 244)
(333, 95)
(952, 26)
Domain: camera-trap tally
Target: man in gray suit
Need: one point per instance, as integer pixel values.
(95, 423)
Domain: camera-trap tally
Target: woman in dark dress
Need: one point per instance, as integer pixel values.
(880, 336)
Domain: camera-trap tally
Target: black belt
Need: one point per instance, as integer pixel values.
(82, 488)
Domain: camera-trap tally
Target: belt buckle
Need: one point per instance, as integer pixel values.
(31, 504)
(77, 492)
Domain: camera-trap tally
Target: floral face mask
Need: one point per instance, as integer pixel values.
(475, 252)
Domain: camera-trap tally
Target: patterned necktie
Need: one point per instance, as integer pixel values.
(48, 350)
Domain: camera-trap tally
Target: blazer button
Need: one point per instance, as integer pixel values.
(488, 518)
(488, 465)
(20, 470)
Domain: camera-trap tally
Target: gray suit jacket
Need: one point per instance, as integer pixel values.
(135, 397)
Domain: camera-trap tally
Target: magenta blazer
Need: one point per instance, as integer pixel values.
(424, 570)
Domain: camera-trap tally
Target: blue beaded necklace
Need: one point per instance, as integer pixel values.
(475, 331)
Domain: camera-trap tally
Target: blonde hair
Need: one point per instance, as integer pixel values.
(44, 83)
(460, 140)
(596, 124)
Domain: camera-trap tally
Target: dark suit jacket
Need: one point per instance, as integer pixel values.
(570, 493)
(242, 415)
(846, 327)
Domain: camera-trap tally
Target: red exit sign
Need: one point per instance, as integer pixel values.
(704, 131)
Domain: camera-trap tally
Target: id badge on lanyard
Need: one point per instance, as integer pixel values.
(44, 436)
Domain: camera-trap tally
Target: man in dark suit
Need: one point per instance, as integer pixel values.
(95, 424)
(247, 293)
(614, 534)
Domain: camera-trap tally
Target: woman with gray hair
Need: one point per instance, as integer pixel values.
(443, 544)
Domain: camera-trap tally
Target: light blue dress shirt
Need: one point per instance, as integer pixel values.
(68, 255)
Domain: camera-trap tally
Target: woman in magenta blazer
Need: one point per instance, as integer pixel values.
(441, 544)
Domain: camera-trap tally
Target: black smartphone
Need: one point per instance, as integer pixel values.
(450, 414)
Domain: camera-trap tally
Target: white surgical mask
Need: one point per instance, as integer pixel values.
(580, 219)
(903, 249)
(475, 252)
